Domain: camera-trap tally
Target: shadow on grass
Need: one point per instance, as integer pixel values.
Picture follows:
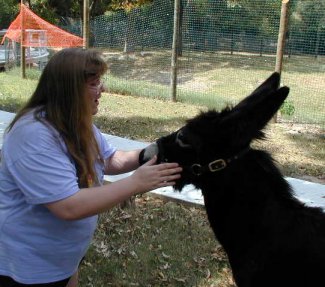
(138, 128)
(8, 105)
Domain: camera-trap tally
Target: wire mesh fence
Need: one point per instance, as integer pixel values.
(225, 49)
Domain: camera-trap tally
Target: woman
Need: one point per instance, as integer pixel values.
(51, 175)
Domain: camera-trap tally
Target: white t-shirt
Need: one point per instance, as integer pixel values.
(35, 245)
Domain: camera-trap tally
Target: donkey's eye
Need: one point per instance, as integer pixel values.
(182, 141)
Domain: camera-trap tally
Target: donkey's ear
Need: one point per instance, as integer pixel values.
(251, 115)
(271, 83)
(269, 86)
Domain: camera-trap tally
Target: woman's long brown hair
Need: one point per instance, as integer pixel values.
(60, 98)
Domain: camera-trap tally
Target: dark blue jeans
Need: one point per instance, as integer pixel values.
(6, 281)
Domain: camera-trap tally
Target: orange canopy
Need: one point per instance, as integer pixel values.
(50, 36)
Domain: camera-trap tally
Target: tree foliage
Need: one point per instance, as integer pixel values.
(128, 5)
(8, 11)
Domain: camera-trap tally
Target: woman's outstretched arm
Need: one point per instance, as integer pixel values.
(94, 200)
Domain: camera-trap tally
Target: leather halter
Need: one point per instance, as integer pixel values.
(198, 169)
(215, 165)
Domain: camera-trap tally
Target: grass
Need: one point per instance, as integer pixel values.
(162, 243)
(149, 246)
(14, 91)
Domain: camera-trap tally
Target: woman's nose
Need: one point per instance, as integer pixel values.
(103, 88)
(100, 89)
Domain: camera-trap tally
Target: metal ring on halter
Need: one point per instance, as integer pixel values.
(196, 169)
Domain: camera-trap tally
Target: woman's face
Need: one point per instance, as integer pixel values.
(94, 90)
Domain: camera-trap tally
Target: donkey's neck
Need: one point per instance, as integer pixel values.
(246, 198)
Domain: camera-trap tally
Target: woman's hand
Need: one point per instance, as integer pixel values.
(150, 176)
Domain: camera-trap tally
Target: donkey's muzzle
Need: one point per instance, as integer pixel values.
(148, 153)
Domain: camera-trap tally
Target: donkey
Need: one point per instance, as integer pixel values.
(271, 238)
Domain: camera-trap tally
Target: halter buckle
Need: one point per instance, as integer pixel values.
(217, 165)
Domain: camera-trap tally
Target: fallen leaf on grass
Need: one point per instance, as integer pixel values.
(183, 280)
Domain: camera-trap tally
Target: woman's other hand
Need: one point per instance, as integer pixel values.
(150, 176)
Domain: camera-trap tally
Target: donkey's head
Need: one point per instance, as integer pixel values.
(212, 140)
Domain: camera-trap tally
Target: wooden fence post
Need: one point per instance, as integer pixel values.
(22, 39)
(281, 40)
(86, 24)
(173, 81)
